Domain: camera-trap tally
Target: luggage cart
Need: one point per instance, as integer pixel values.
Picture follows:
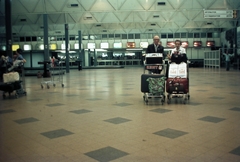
(54, 74)
(154, 64)
(17, 86)
(178, 87)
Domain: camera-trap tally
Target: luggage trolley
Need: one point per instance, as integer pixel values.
(53, 75)
(154, 64)
(13, 78)
(177, 84)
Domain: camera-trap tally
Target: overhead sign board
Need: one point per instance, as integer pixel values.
(218, 14)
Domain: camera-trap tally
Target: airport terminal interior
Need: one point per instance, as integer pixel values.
(92, 108)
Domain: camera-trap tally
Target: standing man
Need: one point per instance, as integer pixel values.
(156, 47)
(227, 59)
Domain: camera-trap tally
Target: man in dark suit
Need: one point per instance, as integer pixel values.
(156, 47)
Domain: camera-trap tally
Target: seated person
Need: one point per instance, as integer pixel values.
(17, 55)
(18, 60)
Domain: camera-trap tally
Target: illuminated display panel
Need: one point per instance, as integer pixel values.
(91, 45)
(185, 44)
(104, 45)
(197, 44)
(170, 44)
(131, 45)
(53, 46)
(210, 43)
(143, 44)
(117, 45)
(15, 47)
(27, 47)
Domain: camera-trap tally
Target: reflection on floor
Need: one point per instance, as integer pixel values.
(100, 116)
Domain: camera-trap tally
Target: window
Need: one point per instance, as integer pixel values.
(190, 35)
(209, 35)
(118, 36)
(22, 39)
(137, 36)
(130, 36)
(183, 35)
(72, 38)
(163, 35)
(196, 35)
(177, 35)
(124, 36)
(28, 39)
(203, 35)
(104, 36)
(34, 39)
(170, 35)
(111, 36)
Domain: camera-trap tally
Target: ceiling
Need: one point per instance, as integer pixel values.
(117, 16)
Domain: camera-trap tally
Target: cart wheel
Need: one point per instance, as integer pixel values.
(144, 97)
(16, 96)
(62, 85)
(188, 97)
(169, 101)
(41, 86)
(48, 87)
(162, 102)
(54, 85)
(184, 101)
(25, 93)
(4, 96)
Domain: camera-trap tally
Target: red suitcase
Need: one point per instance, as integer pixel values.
(177, 85)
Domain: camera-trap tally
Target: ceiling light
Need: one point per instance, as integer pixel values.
(161, 3)
(74, 5)
(23, 20)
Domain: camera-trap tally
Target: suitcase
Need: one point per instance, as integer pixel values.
(145, 83)
(177, 85)
(10, 87)
(154, 58)
(10, 77)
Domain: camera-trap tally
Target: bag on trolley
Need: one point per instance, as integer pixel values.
(10, 77)
(177, 85)
(151, 83)
(177, 81)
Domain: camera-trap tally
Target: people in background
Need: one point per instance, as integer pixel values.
(17, 55)
(178, 49)
(227, 59)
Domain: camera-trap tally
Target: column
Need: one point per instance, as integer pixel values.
(8, 27)
(67, 48)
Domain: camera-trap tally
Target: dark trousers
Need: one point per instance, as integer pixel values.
(227, 65)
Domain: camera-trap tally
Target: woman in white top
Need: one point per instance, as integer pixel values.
(178, 49)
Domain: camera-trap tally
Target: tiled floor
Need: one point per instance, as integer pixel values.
(100, 116)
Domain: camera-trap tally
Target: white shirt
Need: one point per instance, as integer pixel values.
(181, 50)
(156, 47)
